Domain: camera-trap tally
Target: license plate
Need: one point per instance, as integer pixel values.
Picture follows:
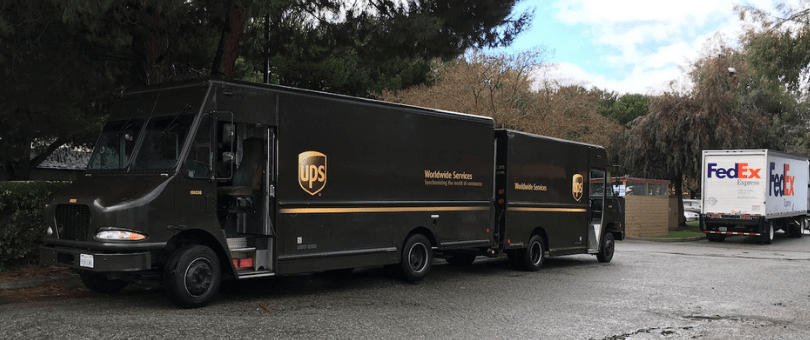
(86, 260)
(722, 229)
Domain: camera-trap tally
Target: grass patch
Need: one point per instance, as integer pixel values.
(692, 229)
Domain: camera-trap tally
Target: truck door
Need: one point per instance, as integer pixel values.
(196, 194)
(596, 209)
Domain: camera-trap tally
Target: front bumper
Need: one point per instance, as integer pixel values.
(95, 261)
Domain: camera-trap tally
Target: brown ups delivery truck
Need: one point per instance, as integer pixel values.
(197, 181)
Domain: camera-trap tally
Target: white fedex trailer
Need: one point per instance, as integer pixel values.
(753, 193)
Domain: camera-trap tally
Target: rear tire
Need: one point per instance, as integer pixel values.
(192, 276)
(100, 283)
(767, 236)
(531, 258)
(607, 248)
(417, 258)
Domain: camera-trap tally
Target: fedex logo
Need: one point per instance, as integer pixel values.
(781, 184)
(740, 170)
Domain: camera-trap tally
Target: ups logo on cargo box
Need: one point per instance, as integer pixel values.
(578, 187)
(312, 171)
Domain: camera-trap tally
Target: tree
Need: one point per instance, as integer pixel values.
(500, 86)
(668, 142)
(63, 61)
(55, 82)
(383, 45)
(777, 49)
(626, 108)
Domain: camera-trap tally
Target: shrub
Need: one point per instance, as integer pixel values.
(22, 226)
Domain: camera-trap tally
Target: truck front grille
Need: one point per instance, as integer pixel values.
(72, 221)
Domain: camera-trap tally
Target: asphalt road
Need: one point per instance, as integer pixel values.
(686, 290)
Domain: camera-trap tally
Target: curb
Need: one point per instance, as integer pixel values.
(668, 240)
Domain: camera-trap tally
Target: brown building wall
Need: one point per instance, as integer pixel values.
(647, 216)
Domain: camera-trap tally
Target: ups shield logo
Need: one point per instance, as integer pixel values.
(577, 187)
(312, 171)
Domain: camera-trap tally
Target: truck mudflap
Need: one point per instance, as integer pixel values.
(97, 262)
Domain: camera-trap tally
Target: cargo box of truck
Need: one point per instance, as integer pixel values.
(753, 193)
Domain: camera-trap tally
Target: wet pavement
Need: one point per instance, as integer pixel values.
(684, 290)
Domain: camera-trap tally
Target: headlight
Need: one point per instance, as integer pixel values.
(119, 235)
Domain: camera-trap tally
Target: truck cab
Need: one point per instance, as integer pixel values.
(176, 180)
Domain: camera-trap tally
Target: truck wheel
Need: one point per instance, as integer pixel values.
(192, 276)
(767, 237)
(100, 283)
(417, 258)
(460, 259)
(605, 253)
(531, 259)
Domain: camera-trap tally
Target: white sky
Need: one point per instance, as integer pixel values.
(628, 46)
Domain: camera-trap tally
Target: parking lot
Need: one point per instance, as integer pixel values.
(651, 290)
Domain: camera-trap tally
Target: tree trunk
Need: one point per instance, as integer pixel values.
(151, 46)
(678, 183)
(228, 49)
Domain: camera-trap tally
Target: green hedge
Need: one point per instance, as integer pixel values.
(22, 227)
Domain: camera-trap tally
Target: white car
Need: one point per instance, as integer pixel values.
(691, 215)
(691, 205)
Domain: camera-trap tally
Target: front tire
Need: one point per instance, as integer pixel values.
(100, 283)
(417, 258)
(192, 276)
(607, 248)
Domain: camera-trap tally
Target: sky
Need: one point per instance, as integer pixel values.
(628, 46)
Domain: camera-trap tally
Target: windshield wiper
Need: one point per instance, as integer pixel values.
(125, 126)
(128, 123)
(173, 123)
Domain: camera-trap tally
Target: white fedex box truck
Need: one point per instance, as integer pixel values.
(753, 193)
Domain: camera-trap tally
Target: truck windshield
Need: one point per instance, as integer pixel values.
(115, 145)
(162, 143)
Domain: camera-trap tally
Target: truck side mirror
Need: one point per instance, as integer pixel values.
(228, 134)
(228, 157)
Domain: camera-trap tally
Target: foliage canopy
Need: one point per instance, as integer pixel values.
(63, 62)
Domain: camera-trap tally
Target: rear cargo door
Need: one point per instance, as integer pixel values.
(734, 183)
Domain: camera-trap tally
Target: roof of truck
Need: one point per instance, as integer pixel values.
(225, 82)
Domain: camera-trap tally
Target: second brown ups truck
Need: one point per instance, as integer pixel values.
(197, 181)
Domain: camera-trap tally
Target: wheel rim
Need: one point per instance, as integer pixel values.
(536, 253)
(770, 231)
(609, 247)
(417, 257)
(199, 277)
